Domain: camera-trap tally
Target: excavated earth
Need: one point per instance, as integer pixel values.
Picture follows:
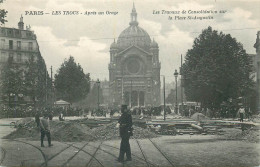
(74, 130)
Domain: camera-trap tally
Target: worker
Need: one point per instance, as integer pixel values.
(45, 129)
(241, 113)
(125, 129)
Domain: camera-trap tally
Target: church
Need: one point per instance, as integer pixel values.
(134, 68)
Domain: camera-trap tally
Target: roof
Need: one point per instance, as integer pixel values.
(133, 35)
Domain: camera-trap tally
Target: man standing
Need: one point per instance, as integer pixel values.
(241, 113)
(125, 130)
(45, 129)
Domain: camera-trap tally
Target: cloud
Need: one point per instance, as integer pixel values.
(170, 57)
(88, 38)
(241, 26)
(87, 52)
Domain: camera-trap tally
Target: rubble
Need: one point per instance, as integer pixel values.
(110, 132)
(74, 131)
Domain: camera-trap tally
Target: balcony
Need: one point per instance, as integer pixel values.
(22, 49)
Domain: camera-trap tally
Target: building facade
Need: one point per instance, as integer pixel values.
(257, 46)
(104, 85)
(19, 44)
(134, 68)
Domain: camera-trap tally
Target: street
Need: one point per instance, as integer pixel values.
(185, 150)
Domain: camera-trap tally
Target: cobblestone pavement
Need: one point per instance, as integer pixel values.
(186, 150)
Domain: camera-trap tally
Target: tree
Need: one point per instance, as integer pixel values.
(31, 78)
(2, 15)
(216, 69)
(37, 80)
(71, 83)
(12, 82)
(92, 98)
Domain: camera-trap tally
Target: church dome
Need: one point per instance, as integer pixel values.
(154, 44)
(134, 35)
(113, 45)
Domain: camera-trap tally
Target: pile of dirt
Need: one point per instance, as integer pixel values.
(60, 131)
(71, 132)
(110, 131)
(25, 128)
(250, 135)
(74, 131)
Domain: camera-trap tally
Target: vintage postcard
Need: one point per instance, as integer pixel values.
(129, 83)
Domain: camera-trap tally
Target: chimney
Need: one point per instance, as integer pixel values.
(21, 24)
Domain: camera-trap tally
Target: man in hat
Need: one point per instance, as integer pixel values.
(125, 130)
(45, 129)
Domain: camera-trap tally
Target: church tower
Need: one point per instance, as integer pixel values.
(134, 68)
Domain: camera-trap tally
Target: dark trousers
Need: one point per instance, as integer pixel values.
(125, 148)
(241, 117)
(48, 134)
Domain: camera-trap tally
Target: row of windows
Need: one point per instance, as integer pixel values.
(18, 45)
(19, 57)
(17, 33)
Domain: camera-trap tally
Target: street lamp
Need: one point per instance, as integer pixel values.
(98, 84)
(176, 75)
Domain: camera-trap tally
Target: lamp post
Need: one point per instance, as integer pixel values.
(98, 84)
(176, 75)
(164, 113)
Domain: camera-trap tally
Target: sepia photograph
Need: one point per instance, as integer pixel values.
(109, 83)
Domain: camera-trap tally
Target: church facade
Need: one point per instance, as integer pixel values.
(134, 68)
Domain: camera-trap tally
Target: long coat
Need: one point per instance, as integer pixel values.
(125, 122)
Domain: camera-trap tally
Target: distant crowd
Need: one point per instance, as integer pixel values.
(21, 112)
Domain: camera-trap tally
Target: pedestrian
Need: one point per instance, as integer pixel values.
(125, 129)
(241, 112)
(45, 129)
(61, 117)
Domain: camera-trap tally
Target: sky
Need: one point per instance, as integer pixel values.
(88, 37)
